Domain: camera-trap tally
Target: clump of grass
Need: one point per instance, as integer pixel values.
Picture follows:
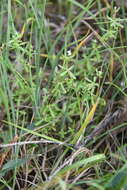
(61, 63)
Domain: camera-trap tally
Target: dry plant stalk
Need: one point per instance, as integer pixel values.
(111, 119)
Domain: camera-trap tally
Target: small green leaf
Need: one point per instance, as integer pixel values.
(118, 181)
(11, 165)
(14, 163)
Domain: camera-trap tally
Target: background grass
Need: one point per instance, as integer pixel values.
(61, 64)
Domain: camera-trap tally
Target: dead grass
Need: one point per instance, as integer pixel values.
(62, 77)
